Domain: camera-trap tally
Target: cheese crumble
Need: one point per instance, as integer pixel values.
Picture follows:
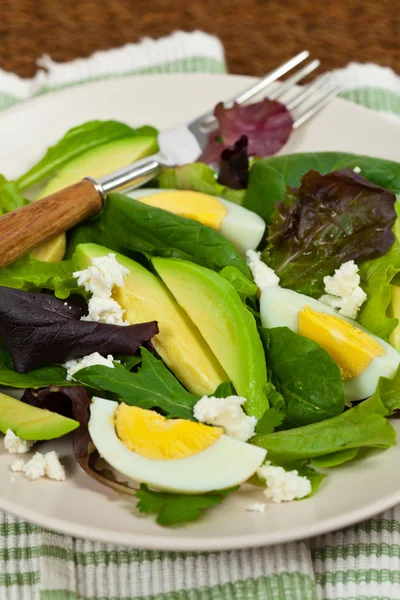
(283, 486)
(90, 360)
(15, 444)
(227, 413)
(263, 275)
(104, 273)
(343, 291)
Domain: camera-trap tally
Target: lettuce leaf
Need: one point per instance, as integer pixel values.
(376, 279)
(327, 221)
(269, 177)
(43, 377)
(199, 178)
(30, 274)
(10, 196)
(267, 125)
(39, 330)
(131, 227)
(234, 165)
(307, 377)
(75, 142)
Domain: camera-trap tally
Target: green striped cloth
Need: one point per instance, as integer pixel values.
(359, 563)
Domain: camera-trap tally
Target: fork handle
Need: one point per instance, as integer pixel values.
(23, 229)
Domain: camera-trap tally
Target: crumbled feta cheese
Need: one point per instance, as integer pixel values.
(343, 291)
(41, 465)
(263, 275)
(257, 507)
(104, 273)
(17, 465)
(54, 469)
(283, 486)
(16, 445)
(90, 360)
(35, 468)
(357, 170)
(227, 413)
(105, 310)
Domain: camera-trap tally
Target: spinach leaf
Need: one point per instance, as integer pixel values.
(153, 386)
(327, 221)
(10, 196)
(75, 142)
(270, 176)
(308, 378)
(224, 390)
(335, 459)
(364, 425)
(388, 392)
(246, 289)
(313, 476)
(199, 178)
(130, 227)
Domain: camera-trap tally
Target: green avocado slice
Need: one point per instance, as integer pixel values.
(32, 423)
(228, 327)
(144, 297)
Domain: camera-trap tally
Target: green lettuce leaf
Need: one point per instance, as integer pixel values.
(172, 509)
(199, 178)
(327, 221)
(270, 176)
(364, 425)
(335, 459)
(75, 142)
(131, 227)
(376, 278)
(30, 274)
(307, 377)
(153, 386)
(10, 196)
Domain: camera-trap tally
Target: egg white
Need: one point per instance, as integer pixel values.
(226, 463)
(242, 227)
(280, 307)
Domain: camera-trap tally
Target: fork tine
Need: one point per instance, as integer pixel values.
(309, 90)
(291, 81)
(206, 124)
(317, 106)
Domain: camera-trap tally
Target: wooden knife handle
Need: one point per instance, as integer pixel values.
(24, 228)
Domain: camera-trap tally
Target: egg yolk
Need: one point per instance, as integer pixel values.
(151, 435)
(351, 348)
(193, 205)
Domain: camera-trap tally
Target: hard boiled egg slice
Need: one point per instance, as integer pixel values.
(242, 227)
(169, 454)
(361, 356)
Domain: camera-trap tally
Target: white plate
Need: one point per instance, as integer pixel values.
(80, 506)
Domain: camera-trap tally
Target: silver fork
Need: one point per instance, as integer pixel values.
(26, 227)
(184, 143)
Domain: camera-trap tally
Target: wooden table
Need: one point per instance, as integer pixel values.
(257, 34)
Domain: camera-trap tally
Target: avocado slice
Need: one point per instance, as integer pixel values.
(394, 311)
(94, 163)
(31, 423)
(144, 298)
(225, 323)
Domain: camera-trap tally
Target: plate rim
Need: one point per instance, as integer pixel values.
(180, 543)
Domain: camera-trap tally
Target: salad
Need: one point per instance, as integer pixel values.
(208, 330)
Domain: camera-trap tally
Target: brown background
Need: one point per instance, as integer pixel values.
(257, 34)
